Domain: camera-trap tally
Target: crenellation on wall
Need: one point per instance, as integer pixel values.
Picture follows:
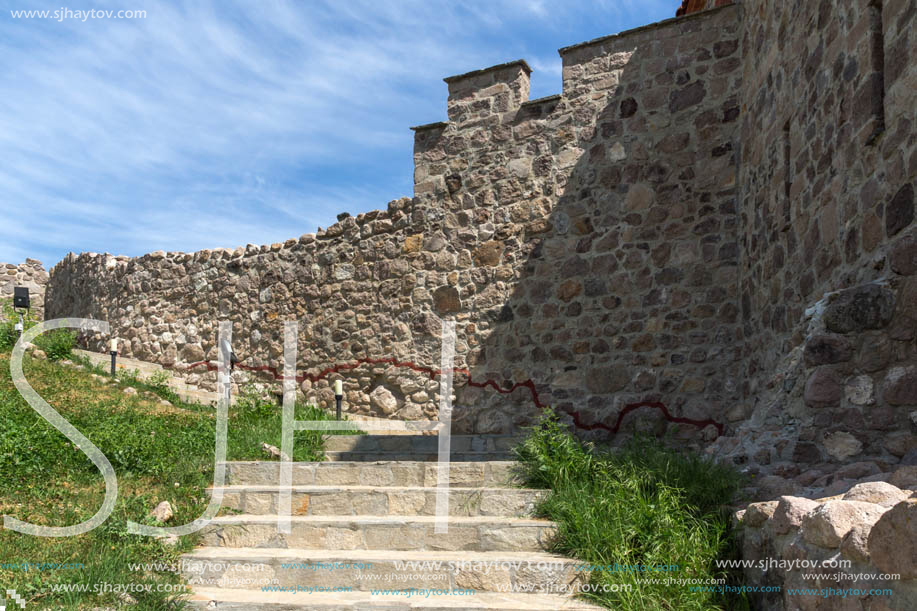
(672, 43)
(482, 96)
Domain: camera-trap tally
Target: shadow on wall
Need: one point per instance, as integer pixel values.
(624, 291)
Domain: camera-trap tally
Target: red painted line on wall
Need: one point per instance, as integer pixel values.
(654, 404)
(529, 384)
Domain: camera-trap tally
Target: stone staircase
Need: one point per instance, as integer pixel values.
(365, 521)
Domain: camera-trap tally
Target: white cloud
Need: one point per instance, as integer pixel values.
(217, 124)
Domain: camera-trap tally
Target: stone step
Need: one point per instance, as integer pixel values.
(405, 444)
(250, 568)
(253, 600)
(348, 456)
(383, 501)
(491, 474)
(473, 533)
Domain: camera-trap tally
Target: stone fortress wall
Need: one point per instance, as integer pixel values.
(639, 251)
(584, 243)
(826, 193)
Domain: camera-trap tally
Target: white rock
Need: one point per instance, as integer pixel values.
(616, 152)
(859, 390)
(126, 598)
(170, 540)
(383, 400)
(162, 512)
(343, 271)
(273, 451)
(521, 168)
(842, 445)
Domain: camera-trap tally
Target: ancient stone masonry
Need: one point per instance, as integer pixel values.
(826, 182)
(828, 158)
(843, 404)
(31, 275)
(584, 243)
(660, 246)
(600, 224)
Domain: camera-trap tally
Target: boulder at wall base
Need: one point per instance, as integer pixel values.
(192, 353)
(771, 486)
(790, 512)
(893, 540)
(828, 523)
(757, 514)
(904, 477)
(855, 545)
(880, 493)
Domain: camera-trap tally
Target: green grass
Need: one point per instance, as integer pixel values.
(157, 384)
(8, 319)
(256, 422)
(642, 504)
(57, 344)
(159, 453)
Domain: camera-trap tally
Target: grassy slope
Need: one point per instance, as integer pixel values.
(158, 452)
(641, 505)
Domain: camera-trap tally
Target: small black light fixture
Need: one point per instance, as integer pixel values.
(21, 301)
(21, 297)
(113, 349)
(338, 396)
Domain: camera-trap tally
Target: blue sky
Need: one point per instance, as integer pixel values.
(220, 124)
